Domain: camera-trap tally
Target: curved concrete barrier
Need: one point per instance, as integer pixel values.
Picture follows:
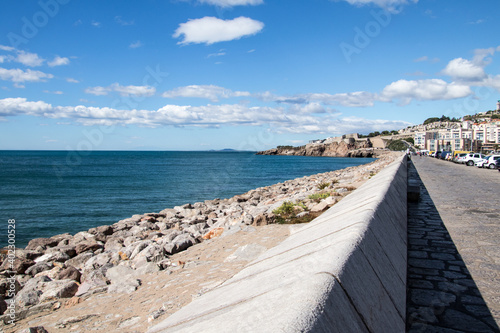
(343, 272)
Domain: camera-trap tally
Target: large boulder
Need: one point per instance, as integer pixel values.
(31, 292)
(69, 273)
(43, 243)
(18, 265)
(122, 280)
(39, 267)
(58, 289)
(180, 243)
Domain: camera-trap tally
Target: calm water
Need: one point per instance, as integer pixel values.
(53, 192)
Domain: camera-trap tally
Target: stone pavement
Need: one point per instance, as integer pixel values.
(443, 293)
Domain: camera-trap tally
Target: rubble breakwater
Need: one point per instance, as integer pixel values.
(66, 268)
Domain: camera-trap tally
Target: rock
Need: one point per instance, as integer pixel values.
(53, 256)
(80, 260)
(39, 267)
(28, 254)
(69, 273)
(299, 215)
(95, 278)
(31, 292)
(180, 243)
(6, 284)
(18, 265)
(59, 289)
(69, 250)
(264, 219)
(114, 244)
(246, 253)
(87, 246)
(216, 232)
(323, 205)
(41, 242)
(122, 280)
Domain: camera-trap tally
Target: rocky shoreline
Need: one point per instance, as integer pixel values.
(339, 148)
(51, 273)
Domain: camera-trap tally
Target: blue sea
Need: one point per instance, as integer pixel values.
(53, 192)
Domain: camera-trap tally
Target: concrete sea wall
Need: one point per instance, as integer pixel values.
(343, 272)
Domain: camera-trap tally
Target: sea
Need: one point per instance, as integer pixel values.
(46, 193)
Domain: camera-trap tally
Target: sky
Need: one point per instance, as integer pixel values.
(240, 74)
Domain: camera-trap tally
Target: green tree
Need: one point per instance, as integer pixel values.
(397, 145)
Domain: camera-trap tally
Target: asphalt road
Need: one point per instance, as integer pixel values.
(468, 202)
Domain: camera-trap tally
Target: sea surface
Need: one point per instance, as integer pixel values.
(53, 192)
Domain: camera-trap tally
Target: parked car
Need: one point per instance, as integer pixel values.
(489, 162)
(498, 164)
(472, 158)
(458, 157)
(445, 155)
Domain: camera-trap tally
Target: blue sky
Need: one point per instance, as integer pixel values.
(242, 74)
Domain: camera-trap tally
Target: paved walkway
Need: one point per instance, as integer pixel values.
(453, 249)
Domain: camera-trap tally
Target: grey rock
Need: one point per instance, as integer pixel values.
(53, 256)
(180, 243)
(122, 280)
(18, 265)
(41, 242)
(80, 260)
(69, 273)
(59, 289)
(6, 284)
(31, 292)
(39, 267)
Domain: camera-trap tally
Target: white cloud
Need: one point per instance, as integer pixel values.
(210, 92)
(463, 69)
(391, 5)
(231, 3)
(18, 75)
(29, 59)
(353, 99)
(6, 48)
(423, 90)
(279, 119)
(98, 91)
(123, 90)
(96, 24)
(71, 80)
(135, 45)
(58, 61)
(210, 30)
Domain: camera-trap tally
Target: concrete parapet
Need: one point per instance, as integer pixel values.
(343, 272)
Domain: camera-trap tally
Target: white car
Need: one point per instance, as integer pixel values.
(488, 162)
(472, 158)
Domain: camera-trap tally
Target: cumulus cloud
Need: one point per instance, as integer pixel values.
(211, 92)
(463, 69)
(19, 76)
(29, 59)
(278, 119)
(210, 30)
(58, 61)
(122, 90)
(423, 90)
(232, 3)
